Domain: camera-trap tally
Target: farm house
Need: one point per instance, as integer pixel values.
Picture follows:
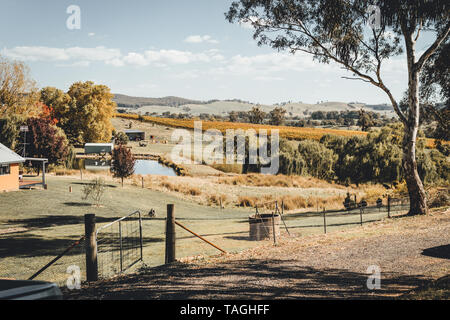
(9, 169)
(135, 135)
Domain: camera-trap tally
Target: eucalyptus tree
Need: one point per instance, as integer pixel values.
(360, 36)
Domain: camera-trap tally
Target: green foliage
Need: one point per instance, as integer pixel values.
(277, 116)
(365, 120)
(318, 158)
(374, 158)
(256, 115)
(9, 130)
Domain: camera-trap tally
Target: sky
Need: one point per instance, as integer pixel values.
(182, 48)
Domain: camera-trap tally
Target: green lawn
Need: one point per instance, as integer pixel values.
(51, 220)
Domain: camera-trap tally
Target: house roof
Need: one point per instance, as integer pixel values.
(99, 144)
(7, 156)
(134, 131)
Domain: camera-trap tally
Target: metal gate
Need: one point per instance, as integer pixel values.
(119, 245)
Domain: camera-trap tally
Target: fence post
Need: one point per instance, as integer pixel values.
(389, 206)
(170, 234)
(360, 215)
(142, 182)
(273, 223)
(324, 221)
(91, 247)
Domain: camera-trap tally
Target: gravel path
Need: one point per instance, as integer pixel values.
(410, 251)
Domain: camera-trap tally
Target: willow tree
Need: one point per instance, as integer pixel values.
(360, 36)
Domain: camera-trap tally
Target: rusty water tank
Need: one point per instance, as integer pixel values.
(261, 226)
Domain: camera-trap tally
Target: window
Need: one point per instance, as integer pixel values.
(4, 169)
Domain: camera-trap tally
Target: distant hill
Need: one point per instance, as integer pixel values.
(124, 101)
(173, 104)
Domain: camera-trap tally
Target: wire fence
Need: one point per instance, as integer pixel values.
(68, 265)
(124, 242)
(119, 245)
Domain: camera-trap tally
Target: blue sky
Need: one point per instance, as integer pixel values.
(173, 47)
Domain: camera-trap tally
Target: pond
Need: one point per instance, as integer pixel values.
(152, 167)
(142, 167)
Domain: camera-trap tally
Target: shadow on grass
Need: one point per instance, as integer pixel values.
(88, 183)
(442, 252)
(77, 204)
(246, 279)
(56, 220)
(23, 246)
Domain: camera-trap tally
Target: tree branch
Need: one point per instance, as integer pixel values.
(427, 54)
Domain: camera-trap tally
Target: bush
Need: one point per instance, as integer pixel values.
(94, 190)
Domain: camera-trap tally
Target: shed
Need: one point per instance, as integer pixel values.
(135, 135)
(98, 148)
(9, 169)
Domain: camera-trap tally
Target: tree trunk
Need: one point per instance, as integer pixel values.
(417, 195)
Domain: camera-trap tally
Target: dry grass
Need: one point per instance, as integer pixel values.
(290, 202)
(261, 180)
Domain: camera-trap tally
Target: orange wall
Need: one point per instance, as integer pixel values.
(10, 182)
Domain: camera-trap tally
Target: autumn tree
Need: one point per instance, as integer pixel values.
(18, 93)
(123, 162)
(45, 140)
(121, 138)
(90, 111)
(338, 31)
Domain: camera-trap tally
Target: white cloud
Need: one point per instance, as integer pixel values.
(200, 39)
(60, 54)
(111, 56)
(91, 34)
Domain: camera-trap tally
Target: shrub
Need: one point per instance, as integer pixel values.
(94, 190)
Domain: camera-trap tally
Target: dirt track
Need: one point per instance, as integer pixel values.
(411, 251)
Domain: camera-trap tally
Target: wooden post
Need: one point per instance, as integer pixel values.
(324, 221)
(360, 215)
(142, 182)
(389, 206)
(44, 183)
(170, 234)
(91, 247)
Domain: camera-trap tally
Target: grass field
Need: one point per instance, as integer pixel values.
(37, 225)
